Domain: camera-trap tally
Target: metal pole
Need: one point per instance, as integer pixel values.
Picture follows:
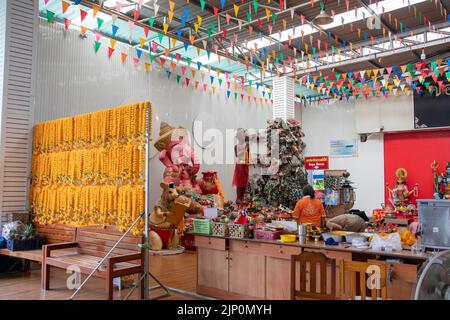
(107, 255)
(147, 203)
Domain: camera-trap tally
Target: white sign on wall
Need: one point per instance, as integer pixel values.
(343, 148)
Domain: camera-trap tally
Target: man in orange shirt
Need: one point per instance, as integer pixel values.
(308, 209)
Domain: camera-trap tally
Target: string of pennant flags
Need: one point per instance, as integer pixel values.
(376, 82)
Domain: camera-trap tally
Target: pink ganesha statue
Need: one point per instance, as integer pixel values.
(179, 158)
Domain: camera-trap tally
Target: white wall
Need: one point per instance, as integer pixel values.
(72, 79)
(337, 121)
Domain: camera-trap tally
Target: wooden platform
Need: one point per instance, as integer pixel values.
(177, 271)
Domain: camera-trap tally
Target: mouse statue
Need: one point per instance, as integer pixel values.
(166, 219)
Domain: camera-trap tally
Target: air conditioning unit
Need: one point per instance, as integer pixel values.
(283, 98)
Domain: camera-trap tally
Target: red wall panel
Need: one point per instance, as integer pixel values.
(415, 151)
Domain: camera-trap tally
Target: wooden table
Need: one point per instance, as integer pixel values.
(260, 269)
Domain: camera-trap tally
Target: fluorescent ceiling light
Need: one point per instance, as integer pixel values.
(127, 5)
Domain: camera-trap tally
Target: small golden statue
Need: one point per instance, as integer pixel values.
(399, 196)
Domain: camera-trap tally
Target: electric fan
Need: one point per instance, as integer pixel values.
(434, 278)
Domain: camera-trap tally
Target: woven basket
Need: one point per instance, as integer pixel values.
(238, 231)
(220, 229)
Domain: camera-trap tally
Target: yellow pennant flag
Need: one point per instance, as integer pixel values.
(165, 27)
(147, 67)
(306, 47)
(174, 42)
(198, 51)
(351, 46)
(368, 71)
(267, 14)
(359, 33)
(213, 89)
(193, 72)
(171, 5)
(249, 90)
(218, 72)
(375, 72)
(113, 42)
(199, 20)
(284, 24)
(290, 39)
(196, 27)
(142, 42)
(170, 15)
(236, 10)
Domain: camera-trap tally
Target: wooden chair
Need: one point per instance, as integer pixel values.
(308, 262)
(364, 270)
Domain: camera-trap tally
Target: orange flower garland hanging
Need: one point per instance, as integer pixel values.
(90, 169)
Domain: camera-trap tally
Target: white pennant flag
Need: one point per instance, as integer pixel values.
(292, 13)
(119, 6)
(240, 25)
(204, 44)
(114, 18)
(156, 7)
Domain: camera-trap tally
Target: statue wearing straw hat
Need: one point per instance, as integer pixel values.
(178, 156)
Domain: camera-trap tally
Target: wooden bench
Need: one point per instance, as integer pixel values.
(91, 244)
(52, 233)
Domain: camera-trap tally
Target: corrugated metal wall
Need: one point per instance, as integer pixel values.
(17, 104)
(73, 79)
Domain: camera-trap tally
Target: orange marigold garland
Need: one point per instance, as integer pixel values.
(90, 169)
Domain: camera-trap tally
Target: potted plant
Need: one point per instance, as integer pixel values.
(24, 238)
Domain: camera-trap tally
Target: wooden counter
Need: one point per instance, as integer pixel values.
(260, 269)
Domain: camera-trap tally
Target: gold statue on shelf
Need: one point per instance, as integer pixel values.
(399, 196)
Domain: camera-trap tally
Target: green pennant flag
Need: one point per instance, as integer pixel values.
(427, 85)
(338, 76)
(151, 57)
(313, 50)
(220, 81)
(276, 59)
(250, 82)
(408, 67)
(249, 17)
(97, 46)
(353, 82)
(433, 65)
(357, 96)
(235, 95)
(50, 15)
(401, 27)
(374, 92)
(281, 56)
(160, 37)
(202, 4)
(269, 94)
(255, 5)
(99, 22)
(360, 85)
(321, 79)
(189, 60)
(209, 34)
(213, 27)
(151, 21)
(274, 17)
(178, 78)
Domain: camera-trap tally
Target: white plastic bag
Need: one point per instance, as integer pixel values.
(391, 242)
(7, 227)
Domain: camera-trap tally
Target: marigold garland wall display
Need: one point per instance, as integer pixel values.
(90, 169)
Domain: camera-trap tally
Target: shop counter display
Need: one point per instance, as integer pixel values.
(232, 268)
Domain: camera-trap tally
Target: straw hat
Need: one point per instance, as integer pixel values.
(166, 131)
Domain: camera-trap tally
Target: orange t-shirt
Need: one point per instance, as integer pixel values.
(309, 211)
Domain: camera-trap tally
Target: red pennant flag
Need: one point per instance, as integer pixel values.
(224, 33)
(204, 86)
(136, 15)
(146, 30)
(187, 81)
(196, 84)
(178, 55)
(110, 52)
(136, 61)
(216, 11)
(281, 4)
(124, 57)
(162, 60)
(83, 14)
(66, 23)
(260, 23)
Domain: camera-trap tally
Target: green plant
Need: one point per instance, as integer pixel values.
(13, 234)
(28, 231)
